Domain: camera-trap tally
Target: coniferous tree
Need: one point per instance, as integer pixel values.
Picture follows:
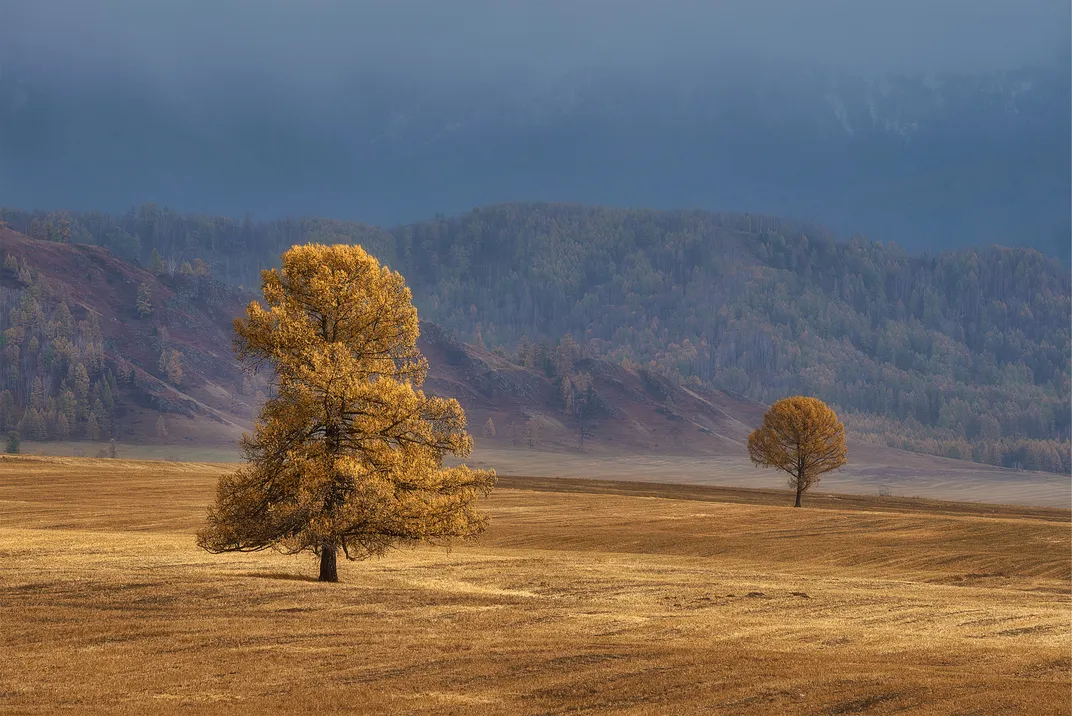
(532, 433)
(144, 304)
(170, 365)
(566, 389)
(348, 454)
(63, 427)
(93, 427)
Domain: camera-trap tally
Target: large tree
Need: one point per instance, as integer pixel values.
(801, 436)
(348, 454)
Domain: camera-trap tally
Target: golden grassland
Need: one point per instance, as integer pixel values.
(872, 469)
(583, 597)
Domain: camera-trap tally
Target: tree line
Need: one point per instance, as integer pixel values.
(962, 353)
(55, 381)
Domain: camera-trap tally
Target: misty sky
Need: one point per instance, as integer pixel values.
(392, 111)
(176, 44)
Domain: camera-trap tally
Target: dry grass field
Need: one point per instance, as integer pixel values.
(872, 470)
(583, 597)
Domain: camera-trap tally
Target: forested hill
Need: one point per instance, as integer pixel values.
(93, 348)
(964, 354)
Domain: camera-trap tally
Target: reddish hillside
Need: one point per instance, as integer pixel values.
(623, 411)
(604, 408)
(190, 315)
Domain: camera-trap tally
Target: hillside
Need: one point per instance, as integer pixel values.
(963, 354)
(69, 305)
(80, 362)
(601, 407)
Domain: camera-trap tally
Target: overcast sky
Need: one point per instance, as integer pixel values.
(177, 43)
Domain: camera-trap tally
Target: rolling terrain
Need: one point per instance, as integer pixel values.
(583, 597)
(619, 411)
(212, 402)
(100, 328)
(607, 420)
(960, 354)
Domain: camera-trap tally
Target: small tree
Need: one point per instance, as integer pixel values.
(801, 436)
(348, 454)
(161, 428)
(63, 427)
(174, 369)
(532, 432)
(93, 427)
(144, 302)
(156, 264)
(489, 429)
(13, 443)
(25, 275)
(113, 449)
(171, 365)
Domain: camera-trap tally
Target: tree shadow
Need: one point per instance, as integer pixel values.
(282, 575)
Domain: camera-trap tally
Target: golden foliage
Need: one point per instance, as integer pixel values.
(801, 436)
(170, 364)
(349, 453)
(144, 301)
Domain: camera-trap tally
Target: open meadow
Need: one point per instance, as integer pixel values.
(584, 596)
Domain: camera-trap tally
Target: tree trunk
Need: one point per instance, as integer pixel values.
(328, 567)
(800, 489)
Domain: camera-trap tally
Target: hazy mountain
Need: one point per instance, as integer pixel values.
(963, 354)
(79, 360)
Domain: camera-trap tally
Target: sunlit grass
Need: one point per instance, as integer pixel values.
(572, 602)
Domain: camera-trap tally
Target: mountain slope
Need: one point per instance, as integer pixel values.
(964, 354)
(69, 305)
(599, 407)
(70, 317)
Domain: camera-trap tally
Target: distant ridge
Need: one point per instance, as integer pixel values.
(962, 354)
(212, 403)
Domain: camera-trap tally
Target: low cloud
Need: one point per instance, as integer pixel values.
(319, 44)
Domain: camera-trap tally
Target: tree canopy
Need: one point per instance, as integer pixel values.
(349, 452)
(800, 436)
